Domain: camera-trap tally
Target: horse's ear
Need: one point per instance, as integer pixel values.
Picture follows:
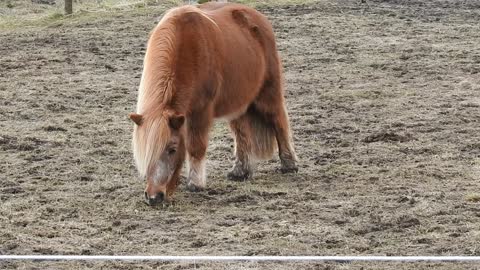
(176, 121)
(136, 118)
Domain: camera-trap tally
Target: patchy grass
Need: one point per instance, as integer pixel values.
(25, 14)
(364, 186)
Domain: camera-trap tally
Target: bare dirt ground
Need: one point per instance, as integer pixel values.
(384, 101)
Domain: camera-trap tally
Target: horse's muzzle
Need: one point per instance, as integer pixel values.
(154, 200)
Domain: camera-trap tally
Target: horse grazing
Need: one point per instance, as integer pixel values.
(215, 60)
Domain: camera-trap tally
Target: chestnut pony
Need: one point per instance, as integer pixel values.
(203, 62)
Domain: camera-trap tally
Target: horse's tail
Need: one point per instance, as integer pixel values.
(263, 139)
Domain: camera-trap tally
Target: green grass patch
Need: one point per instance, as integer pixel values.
(473, 197)
(55, 16)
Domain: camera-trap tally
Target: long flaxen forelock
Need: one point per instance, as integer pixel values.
(149, 142)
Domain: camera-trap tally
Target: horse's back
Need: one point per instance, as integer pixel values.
(240, 27)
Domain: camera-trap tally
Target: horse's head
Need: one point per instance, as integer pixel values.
(159, 152)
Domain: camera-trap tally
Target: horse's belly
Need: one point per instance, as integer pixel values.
(229, 115)
(233, 101)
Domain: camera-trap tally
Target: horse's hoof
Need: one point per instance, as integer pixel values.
(194, 188)
(238, 177)
(293, 169)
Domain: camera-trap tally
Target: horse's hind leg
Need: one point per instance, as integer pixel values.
(242, 169)
(271, 104)
(285, 145)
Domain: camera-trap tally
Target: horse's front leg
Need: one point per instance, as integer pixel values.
(198, 124)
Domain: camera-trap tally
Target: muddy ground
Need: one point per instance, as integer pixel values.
(384, 101)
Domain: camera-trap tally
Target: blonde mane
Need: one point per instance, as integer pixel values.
(155, 92)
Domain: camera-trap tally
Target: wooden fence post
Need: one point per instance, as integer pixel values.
(68, 7)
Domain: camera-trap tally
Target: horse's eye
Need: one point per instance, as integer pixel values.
(172, 151)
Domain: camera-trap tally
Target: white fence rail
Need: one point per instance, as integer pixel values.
(244, 258)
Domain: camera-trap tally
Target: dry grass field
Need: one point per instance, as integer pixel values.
(384, 102)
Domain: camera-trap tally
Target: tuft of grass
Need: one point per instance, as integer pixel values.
(55, 16)
(473, 197)
(372, 94)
